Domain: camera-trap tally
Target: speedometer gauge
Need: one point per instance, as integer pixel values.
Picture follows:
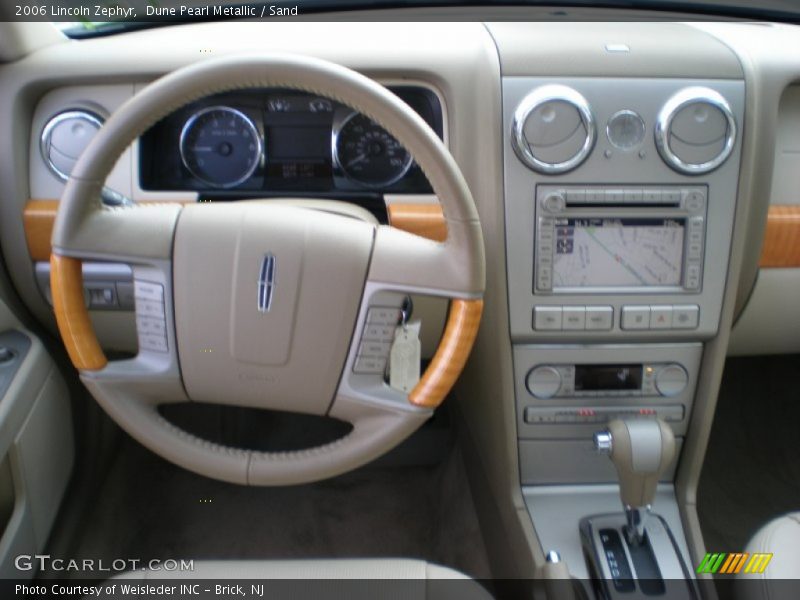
(220, 146)
(367, 153)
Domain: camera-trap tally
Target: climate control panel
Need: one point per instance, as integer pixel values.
(606, 380)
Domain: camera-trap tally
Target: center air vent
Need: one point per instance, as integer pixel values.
(553, 129)
(695, 131)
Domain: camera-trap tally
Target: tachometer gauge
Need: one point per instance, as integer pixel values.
(366, 153)
(220, 146)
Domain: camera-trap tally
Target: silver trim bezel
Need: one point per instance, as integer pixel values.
(630, 113)
(539, 96)
(47, 132)
(683, 98)
(338, 125)
(261, 152)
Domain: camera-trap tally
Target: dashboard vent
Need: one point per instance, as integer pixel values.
(64, 138)
(695, 131)
(553, 130)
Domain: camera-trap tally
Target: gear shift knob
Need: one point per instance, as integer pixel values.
(641, 450)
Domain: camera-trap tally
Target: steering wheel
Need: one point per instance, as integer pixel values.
(265, 304)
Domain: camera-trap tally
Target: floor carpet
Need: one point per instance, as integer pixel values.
(752, 469)
(148, 508)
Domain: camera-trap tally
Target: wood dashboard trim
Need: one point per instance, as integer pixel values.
(426, 220)
(781, 239)
(781, 247)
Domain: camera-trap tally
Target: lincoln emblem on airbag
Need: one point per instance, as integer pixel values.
(266, 283)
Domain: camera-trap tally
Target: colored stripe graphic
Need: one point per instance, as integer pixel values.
(732, 563)
(758, 563)
(707, 565)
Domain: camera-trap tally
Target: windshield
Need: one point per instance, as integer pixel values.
(87, 18)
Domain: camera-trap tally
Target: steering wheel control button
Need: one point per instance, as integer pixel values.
(368, 348)
(380, 315)
(599, 318)
(151, 326)
(543, 382)
(144, 290)
(150, 308)
(376, 339)
(370, 365)
(157, 343)
(686, 317)
(671, 380)
(151, 323)
(635, 317)
(547, 318)
(378, 333)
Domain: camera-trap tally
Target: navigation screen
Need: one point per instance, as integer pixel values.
(618, 252)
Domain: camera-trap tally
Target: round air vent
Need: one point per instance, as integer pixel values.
(695, 131)
(65, 137)
(553, 129)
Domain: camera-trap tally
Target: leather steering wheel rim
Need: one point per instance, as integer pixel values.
(130, 391)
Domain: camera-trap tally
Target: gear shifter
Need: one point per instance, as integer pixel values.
(636, 555)
(641, 451)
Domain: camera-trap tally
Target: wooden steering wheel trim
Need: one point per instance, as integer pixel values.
(66, 283)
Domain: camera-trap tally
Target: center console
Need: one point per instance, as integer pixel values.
(619, 207)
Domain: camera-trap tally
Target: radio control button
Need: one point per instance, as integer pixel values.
(615, 196)
(554, 202)
(651, 196)
(660, 317)
(694, 250)
(694, 200)
(635, 317)
(543, 382)
(685, 317)
(696, 224)
(576, 196)
(547, 318)
(599, 318)
(574, 318)
(633, 196)
(596, 196)
(671, 380)
(692, 277)
(671, 196)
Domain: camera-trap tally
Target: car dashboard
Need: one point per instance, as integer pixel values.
(623, 172)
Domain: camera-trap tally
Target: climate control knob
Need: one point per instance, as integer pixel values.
(543, 382)
(671, 380)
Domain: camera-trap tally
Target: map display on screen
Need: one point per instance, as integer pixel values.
(633, 252)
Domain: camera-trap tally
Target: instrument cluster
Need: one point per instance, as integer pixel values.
(268, 142)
